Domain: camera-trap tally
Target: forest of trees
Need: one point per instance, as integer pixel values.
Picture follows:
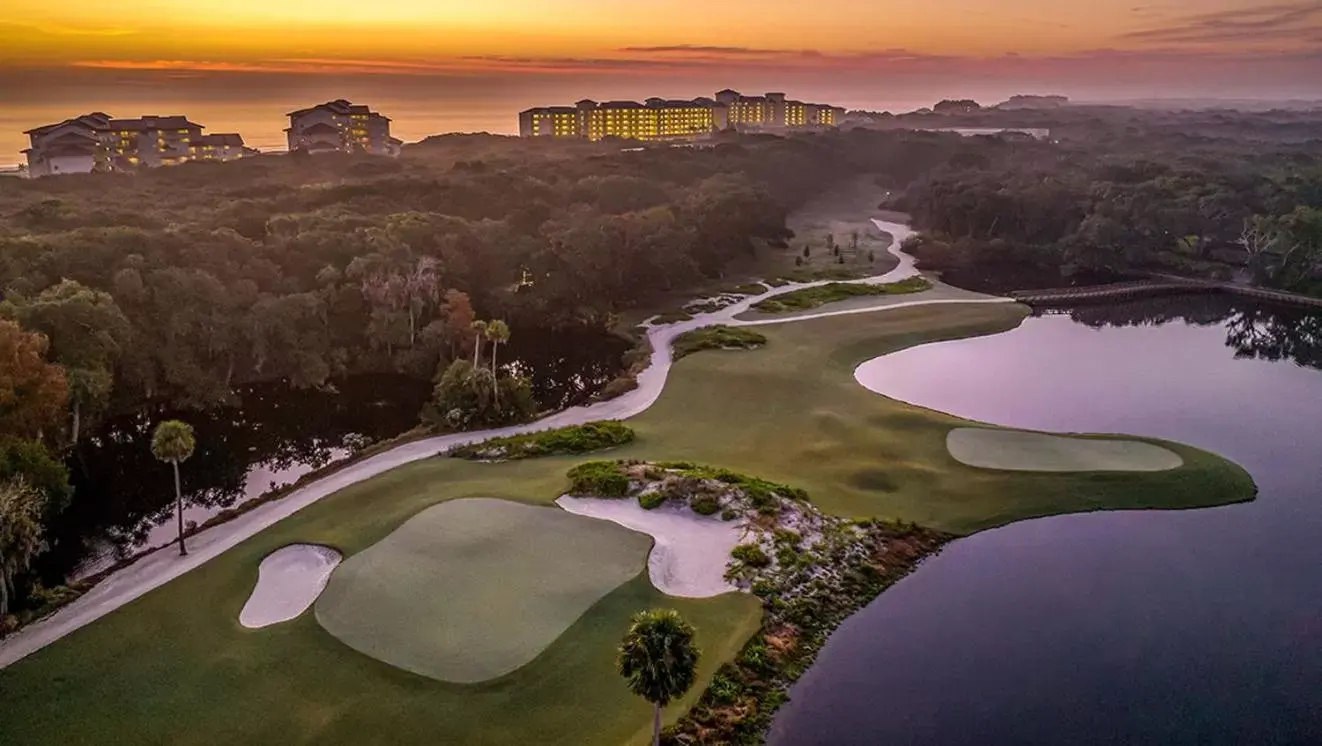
(179, 286)
(121, 292)
(182, 283)
(1138, 196)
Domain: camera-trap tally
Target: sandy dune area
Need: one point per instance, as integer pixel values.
(691, 551)
(288, 581)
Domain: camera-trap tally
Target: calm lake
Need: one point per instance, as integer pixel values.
(1194, 627)
(124, 498)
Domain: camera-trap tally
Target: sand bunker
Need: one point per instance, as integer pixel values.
(288, 581)
(691, 551)
(472, 589)
(1017, 450)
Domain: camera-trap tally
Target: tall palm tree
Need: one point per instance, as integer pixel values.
(173, 442)
(497, 332)
(479, 332)
(21, 506)
(659, 660)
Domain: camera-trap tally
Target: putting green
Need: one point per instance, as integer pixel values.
(1017, 450)
(473, 589)
(174, 666)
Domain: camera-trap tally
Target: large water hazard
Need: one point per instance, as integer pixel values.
(1189, 627)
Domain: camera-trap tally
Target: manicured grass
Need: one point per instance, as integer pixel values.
(175, 666)
(560, 441)
(800, 300)
(718, 337)
(1019, 450)
(938, 293)
(792, 412)
(839, 213)
(469, 590)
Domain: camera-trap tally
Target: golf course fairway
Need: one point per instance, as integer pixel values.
(176, 667)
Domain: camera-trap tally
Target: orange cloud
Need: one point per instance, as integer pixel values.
(311, 66)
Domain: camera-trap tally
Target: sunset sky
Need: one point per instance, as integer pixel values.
(481, 58)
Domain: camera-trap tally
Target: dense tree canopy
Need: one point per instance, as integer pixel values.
(189, 281)
(1136, 195)
(33, 391)
(87, 332)
(122, 293)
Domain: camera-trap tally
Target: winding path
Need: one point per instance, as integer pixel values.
(164, 564)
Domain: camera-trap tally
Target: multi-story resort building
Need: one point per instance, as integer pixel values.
(663, 119)
(774, 111)
(341, 126)
(98, 142)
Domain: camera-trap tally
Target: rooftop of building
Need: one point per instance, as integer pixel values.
(152, 122)
(338, 106)
(95, 120)
(702, 102)
(66, 147)
(221, 139)
(73, 136)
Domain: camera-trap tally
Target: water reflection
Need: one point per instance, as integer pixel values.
(276, 434)
(1253, 330)
(124, 498)
(1134, 627)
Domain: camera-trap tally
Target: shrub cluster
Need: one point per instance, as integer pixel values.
(705, 504)
(635, 360)
(467, 398)
(801, 300)
(652, 500)
(575, 439)
(672, 317)
(751, 555)
(762, 493)
(619, 386)
(599, 479)
(803, 606)
(719, 337)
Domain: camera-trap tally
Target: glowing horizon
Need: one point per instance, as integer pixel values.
(444, 66)
(251, 33)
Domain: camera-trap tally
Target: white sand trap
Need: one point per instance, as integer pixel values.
(288, 581)
(691, 551)
(1017, 450)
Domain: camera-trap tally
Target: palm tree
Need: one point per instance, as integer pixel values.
(21, 506)
(659, 660)
(497, 331)
(173, 441)
(479, 331)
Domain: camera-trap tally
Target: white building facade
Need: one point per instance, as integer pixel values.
(340, 126)
(97, 142)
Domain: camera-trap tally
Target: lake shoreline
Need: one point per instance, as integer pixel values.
(851, 344)
(1061, 625)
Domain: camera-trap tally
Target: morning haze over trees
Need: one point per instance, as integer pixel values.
(180, 285)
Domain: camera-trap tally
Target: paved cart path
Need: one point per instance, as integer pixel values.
(164, 564)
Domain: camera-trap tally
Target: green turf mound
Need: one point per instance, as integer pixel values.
(472, 589)
(1017, 450)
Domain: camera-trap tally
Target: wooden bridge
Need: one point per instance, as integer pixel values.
(1157, 284)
